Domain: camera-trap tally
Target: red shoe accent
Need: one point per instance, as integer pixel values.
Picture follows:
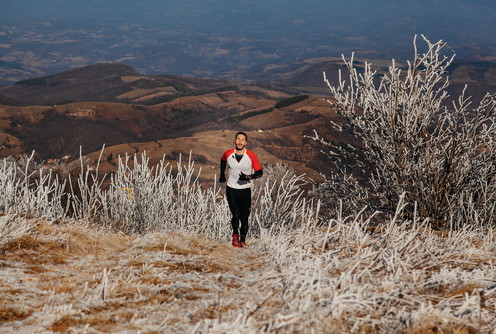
(235, 241)
(243, 244)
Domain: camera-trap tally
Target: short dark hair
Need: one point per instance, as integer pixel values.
(241, 133)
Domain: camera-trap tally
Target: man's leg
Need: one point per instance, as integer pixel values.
(245, 208)
(233, 202)
(234, 208)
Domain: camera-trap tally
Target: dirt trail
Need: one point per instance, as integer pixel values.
(73, 278)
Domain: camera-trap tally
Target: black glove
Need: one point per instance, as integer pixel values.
(244, 177)
(222, 178)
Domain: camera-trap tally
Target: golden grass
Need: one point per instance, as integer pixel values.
(465, 289)
(63, 324)
(32, 250)
(8, 314)
(435, 325)
(178, 280)
(35, 269)
(104, 323)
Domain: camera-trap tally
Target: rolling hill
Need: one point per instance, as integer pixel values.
(277, 135)
(112, 104)
(167, 115)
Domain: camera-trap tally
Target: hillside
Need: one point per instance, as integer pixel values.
(275, 134)
(111, 104)
(165, 115)
(60, 130)
(111, 82)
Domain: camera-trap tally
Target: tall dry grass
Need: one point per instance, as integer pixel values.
(140, 198)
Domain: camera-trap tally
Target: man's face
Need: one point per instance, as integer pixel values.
(240, 142)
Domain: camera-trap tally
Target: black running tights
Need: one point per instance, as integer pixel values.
(239, 201)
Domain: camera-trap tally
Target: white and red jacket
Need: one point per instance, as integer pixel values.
(248, 165)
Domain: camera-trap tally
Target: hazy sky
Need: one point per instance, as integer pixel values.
(320, 27)
(456, 21)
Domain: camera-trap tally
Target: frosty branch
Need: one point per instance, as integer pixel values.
(443, 158)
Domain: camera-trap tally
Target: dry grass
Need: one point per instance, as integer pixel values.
(75, 277)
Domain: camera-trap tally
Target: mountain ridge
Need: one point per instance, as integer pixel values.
(129, 112)
(110, 82)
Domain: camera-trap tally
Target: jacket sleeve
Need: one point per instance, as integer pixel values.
(257, 174)
(255, 164)
(223, 164)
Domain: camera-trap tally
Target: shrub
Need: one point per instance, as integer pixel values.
(25, 188)
(240, 117)
(41, 81)
(442, 158)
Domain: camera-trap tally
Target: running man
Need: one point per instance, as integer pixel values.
(242, 167)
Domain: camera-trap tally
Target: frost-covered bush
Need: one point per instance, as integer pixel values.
(143, 198)
(24, 189)
(413, 142)
(278, 199)
(139, 198)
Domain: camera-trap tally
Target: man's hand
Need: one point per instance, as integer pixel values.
(222, 178)
(244, 177)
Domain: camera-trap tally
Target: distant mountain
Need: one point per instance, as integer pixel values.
(8, 101)
(113, 104)
(307, 76)
(100, 82)
(479, 76)
(115, 82)
(109, 82)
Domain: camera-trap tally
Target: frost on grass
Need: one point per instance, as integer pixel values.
(140, 198)
(62, 276)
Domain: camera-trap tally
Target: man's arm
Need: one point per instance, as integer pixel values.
(222, 177)
(256, 175)
(255, 164)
